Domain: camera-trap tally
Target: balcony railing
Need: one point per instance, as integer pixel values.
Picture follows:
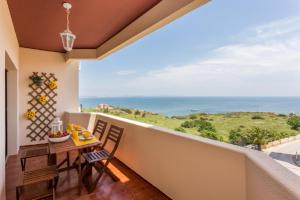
(184, 166)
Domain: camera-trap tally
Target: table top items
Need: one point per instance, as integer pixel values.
(56, 125)
(58, 136)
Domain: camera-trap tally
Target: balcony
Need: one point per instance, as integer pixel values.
(156, 163)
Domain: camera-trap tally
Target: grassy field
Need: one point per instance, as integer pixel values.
(223, 123)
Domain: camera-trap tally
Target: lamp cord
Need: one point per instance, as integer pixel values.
(68, 13)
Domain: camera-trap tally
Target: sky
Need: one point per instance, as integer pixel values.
(224, 48)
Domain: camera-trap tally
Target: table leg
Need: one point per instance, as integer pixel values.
(79, 172)
(52, 159)
(68, 159)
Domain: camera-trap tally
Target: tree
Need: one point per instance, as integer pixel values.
(237, 137)
(137, 112)
(257, 136)
(294, 122)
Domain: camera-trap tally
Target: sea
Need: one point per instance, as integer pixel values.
(171, 106)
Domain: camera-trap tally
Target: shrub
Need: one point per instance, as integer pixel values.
(257, 117)
(283, 135)
(272, 135)
(204, 125)
(126, 110)
(117, 113)
(194, 116)
(221, 139)
(144, 114)
(178, 117)
(200, 124)
(137, 112)
(255, 135)
(294, 122)
(180, 129)
(188, 124)
(210, 135)
(203, 118)
(281, 115)
(238, 137)
(258, 136)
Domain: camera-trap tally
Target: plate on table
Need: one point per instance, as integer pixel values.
(59, 139)
(83, 138)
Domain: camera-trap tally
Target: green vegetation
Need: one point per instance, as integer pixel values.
(180, 129)
(201, 125)
(211, 135)
(236, 136)
(257, 117)
(240, 128)
(294, 122)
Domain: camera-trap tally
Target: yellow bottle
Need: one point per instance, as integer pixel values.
(75, 135)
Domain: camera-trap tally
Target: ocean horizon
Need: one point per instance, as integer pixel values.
(187, 105)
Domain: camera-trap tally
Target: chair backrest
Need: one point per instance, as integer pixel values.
(114, 135)
(99, 129)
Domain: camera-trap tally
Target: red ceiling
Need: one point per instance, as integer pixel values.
(39, 22)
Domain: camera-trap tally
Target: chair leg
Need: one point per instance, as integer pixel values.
(56, 181)
(53, 188)
(75, 161)
(23, 163)
(83, 172)
(17, 193)
(94, 184)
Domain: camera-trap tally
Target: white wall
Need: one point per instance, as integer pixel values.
(68, 80)
(12, 106)
(9, 45)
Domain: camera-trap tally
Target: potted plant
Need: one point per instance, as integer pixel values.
(36, 79)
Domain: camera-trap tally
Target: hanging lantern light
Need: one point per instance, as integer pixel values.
(67, 36)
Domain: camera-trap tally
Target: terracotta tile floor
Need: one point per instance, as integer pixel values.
(130, 186)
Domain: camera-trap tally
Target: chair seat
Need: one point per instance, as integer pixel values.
(33, 152)
(36, 176)
(96, 156)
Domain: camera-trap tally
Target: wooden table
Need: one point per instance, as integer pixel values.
(65, 147)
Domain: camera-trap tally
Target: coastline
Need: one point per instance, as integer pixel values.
(171, 106)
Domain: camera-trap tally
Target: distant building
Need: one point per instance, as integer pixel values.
(103, 107)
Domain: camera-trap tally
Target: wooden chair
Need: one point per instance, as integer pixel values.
(31, 152)
(47, 174)
(100, 159)
(99, 129)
